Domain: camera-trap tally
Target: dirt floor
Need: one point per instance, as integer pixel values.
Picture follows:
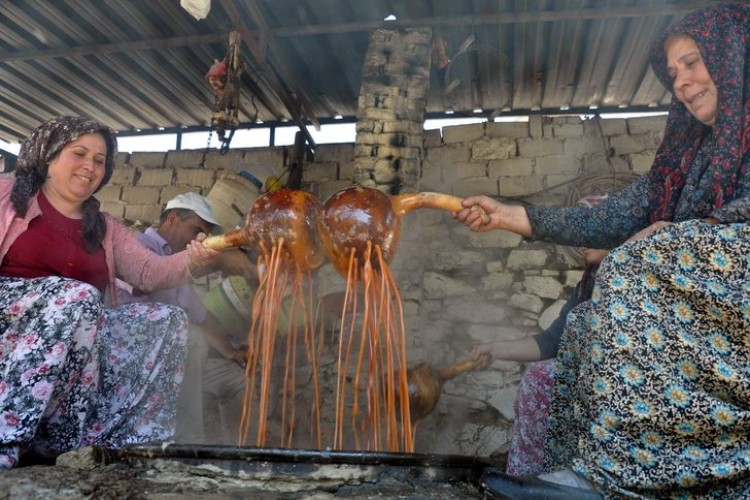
(87, 474)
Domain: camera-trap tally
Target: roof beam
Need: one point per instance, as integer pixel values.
(156, 43)
(505, 18)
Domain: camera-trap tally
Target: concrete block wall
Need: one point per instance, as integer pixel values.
(459, 288)
(142, 183)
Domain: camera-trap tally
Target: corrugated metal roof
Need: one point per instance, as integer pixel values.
(140, 64)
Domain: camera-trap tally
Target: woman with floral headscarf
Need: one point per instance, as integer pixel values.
(73, 372)
(653, 390)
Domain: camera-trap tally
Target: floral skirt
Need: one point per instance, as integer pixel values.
(74, 374)
(526, 453)
(652, 391)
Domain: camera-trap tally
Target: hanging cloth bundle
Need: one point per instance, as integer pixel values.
(224, 78)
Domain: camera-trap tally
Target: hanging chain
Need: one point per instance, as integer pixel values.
(208, 144)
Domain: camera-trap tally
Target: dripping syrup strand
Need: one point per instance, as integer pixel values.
(343, 359)
(366, 282)
(408, 441)
(254, 339)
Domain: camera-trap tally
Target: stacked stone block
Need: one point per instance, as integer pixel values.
(391, 107)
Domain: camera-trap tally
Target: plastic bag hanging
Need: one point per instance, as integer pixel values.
(197, 8)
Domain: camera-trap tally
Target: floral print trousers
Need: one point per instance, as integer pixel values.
(652, 390)
(74, 374)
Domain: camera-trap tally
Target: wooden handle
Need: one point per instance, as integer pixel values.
(404, 203)
(232, 239)
(464, 366)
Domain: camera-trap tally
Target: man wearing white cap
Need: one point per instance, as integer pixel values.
(184, 217)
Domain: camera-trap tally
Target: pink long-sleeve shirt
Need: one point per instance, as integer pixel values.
(184, 296)
(127, 259)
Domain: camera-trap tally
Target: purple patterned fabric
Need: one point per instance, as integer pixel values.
(722, 32)
(652, 389)
(527, 441)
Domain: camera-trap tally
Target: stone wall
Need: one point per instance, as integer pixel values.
(459, 288)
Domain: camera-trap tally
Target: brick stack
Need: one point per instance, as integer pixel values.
(391, 108)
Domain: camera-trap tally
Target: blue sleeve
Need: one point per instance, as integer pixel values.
(606, 225)
(149, 243)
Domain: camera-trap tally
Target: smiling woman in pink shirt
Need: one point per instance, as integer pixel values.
(74, 369)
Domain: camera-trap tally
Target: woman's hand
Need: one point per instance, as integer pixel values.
(482, 213)
(485, 353)
(472, 216)
(200, 258)
(648, 230)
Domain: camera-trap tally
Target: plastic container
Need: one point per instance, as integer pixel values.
(230, 302)
(232, 196)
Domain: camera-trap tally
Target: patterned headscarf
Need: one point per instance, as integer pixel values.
(722, 33)
(48, 139)
(40, 147)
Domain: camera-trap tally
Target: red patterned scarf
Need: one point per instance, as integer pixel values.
(722, 33)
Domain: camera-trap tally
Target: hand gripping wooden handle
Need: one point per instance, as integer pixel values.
(232, 239)
(404, 203)
(464, 366)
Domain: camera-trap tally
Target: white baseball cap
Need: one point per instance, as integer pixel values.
(195, 202)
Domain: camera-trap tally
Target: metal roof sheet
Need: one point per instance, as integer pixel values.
(140, 64)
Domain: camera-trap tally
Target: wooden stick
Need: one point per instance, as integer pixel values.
(407, 202)
(232, 239)
(464, 366)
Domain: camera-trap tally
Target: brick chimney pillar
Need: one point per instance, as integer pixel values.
(391, 109)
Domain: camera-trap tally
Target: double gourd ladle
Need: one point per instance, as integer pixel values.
(349, 219)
